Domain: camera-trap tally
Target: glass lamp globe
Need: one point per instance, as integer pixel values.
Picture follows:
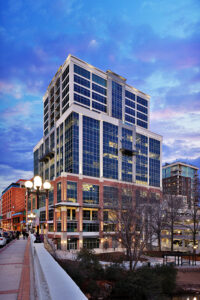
(47, 185)
(37, 182)
(28, 184)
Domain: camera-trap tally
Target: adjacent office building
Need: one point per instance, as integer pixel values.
(13, 206)
(97, 150)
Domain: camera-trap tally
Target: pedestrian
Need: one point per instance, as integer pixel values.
(18, 233)
(24, 234)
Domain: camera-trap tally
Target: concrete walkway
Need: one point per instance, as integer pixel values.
(15, 271)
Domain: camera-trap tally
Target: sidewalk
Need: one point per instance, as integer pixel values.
(15, 271)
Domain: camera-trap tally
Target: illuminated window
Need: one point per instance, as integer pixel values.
(90, 193)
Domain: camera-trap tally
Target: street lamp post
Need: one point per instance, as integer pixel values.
(35, 187)
(31, 217)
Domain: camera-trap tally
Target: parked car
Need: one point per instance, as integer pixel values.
(2, 240)
(7, 236)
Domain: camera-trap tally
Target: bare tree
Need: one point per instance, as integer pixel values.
(174, 205)
(194, 213)
(158, 220)
(130, 231)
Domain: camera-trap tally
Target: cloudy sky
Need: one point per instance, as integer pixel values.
(155, 44)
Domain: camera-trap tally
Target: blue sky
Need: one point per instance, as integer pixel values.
(154, 44)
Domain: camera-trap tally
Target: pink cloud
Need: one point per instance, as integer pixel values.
(166, 113)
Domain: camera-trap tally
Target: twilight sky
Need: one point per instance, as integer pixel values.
(155, 44)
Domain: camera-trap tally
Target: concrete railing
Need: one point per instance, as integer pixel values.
(51, 281)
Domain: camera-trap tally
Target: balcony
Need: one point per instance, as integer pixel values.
(128, 152)
(47, 155)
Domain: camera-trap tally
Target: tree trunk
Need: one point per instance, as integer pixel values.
(130, 264)
(172, 237)
(159, 242)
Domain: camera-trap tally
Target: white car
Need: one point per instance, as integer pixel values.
(2, 240)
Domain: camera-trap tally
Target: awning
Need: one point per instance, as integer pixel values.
(17, 214)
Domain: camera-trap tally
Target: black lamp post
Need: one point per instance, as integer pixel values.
(34, 187)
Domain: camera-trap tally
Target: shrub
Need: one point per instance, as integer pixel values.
(167, 275)
(89, 262)
(114, 272)
(146, 284)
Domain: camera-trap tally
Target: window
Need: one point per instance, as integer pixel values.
(72, 226)
(127, 162)
(141, 158)
(81, 72)
(59, 192)
(110, 196)
(129, 119)
(65, 73)
(90, 215)
(91, 147)
(65, 100)
(58, 226)
(154, 162)
(99, 80)
(90, 243)
(90, 227)
(46, 102)
(71, 214)
(65, 82)
(142, 101)
(116, 100)
(51, 228)
(127, 197)
(86, 215)
(99, 106)
(51, 213)
(110, 150)
(64, 93)
(71, 191)
(141, 116)
(142, 109)
(98, 97)
(98, 89)
(90, 193)
(142, 124)
(51, 197)
(81, 99)
(42, 216)
(129, 111)
(129, 95)
(42, 200)
(71, 137)
(109, 227)
(94, 215)
(81, 90)
(129, 103)
(81, 81)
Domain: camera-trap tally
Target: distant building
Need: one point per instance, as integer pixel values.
(13, 206)
(179, 179)
(97, 150)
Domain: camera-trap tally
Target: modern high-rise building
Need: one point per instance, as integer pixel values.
(180, 179)
(96, 149)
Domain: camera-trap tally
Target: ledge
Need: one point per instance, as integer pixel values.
(52, 282)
